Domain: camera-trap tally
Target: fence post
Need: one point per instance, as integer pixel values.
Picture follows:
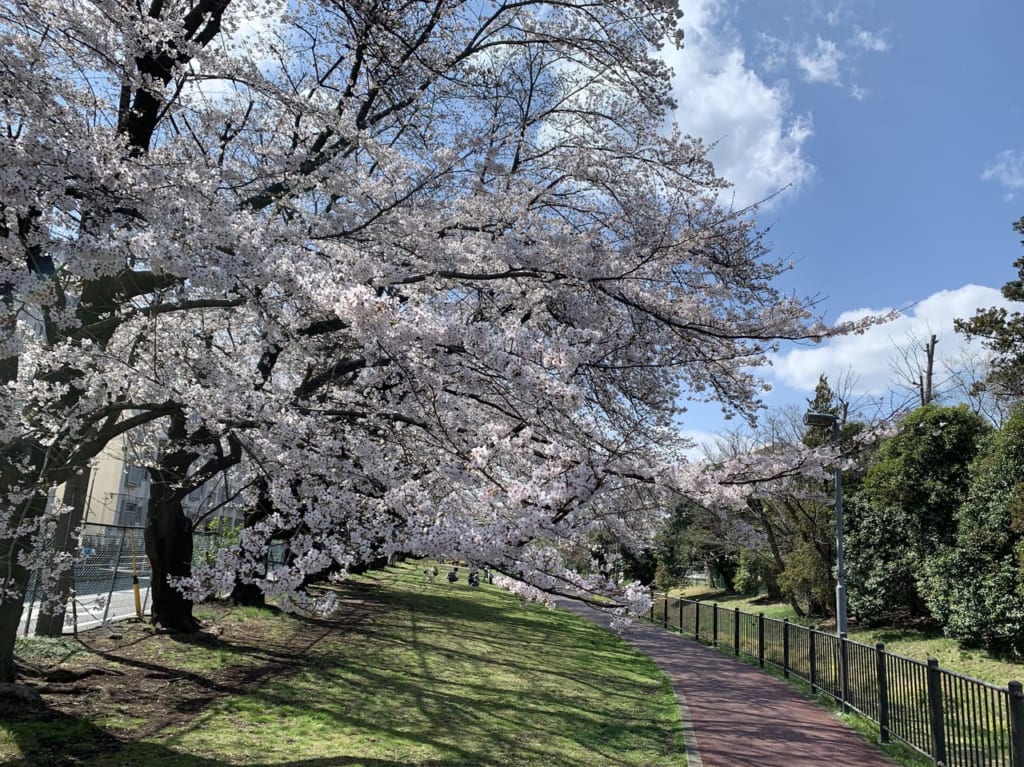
(696, 620)
(714, 625)
(664, 612)
(680, 615)
(113, 578)
(935, 708)
(883, 693)
(785, 648)
(654, 597)
(736, 631)
(1016, 699)
(34, 580)
(760, 639)
(844, 670)
(812, 659)
(74, 612)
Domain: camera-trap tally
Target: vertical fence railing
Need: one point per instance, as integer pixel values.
(954, 720)
(908, 702)
(862, 681)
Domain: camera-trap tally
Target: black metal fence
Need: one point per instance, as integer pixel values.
(948, 717)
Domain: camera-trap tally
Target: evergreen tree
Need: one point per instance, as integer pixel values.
(905, 510)
(976, 586)
(1002, 332)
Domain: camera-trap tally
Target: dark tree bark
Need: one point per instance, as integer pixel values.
(169, 531)
(15, 578)
(247, 595)
(51, 616)
(771, 585)
(169, 547)
(169, 542)
(10, 612)
(929, 371)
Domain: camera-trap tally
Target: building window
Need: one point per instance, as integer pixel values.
(130, 513)
(137, 475)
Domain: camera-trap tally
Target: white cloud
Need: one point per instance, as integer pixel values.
(250, 30)
(870, 41)
(773, 51)
(824, 60)
(822, 64)
(760, 142)
(1007, 170)
(704, 442)
(870, 356)
(835, 16)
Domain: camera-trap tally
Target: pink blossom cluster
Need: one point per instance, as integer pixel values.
(436, 282)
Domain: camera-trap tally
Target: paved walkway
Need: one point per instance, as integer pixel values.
(737, 716)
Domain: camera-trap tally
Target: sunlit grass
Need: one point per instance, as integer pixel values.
(421, 674)
(449, 675)
(47, 649)
(919, 645)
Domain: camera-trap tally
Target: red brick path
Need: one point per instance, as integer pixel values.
(738, 716)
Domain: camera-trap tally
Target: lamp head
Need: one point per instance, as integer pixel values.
(819, 419)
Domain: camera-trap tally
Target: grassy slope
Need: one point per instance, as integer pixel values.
(434, 674)
(912, 644)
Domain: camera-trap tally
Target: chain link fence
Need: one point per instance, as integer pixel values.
(102, 581)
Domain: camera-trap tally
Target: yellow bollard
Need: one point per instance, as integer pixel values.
(135, 581)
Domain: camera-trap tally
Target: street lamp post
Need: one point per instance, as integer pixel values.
(828, 419)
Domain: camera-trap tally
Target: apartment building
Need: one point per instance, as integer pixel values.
(118, 493)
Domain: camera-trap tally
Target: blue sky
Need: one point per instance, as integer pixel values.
(896, 130)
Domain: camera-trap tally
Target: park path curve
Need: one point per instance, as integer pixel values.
(737, 716)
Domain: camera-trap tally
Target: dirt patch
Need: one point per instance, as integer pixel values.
(131, 681)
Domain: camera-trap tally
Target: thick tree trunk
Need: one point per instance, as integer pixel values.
(797, 607)
(724, 569)
(16, 581)
(13, 587)
(771, 585)
(51, 615)
(169, 547)
(248, 595)
(169, 541)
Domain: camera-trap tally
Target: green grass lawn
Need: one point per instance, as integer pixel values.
(416, 674)
(919, 645)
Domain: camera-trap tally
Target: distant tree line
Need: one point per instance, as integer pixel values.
(934, 512)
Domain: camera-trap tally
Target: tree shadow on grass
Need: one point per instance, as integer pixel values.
(49, 738)
(488, 721)
(427, 699)
(46, 737)
(61, 740)
(416, 703)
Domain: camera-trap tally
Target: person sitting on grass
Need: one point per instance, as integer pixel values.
(453, 574)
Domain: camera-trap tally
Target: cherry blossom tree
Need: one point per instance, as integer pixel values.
(762, 501)
(437, 277)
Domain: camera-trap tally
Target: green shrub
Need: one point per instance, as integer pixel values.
(905, 511)
(976, 587)
(753, 574)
